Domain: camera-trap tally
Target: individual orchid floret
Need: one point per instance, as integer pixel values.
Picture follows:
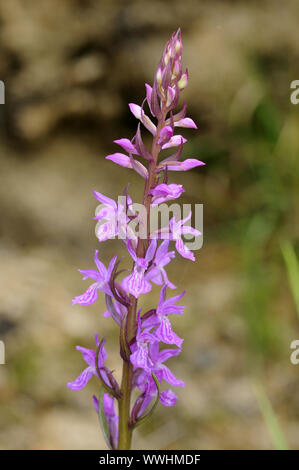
(174, 141)
(166, 192)
(140, 354)
(89, 357)
(160, 320)
(165, 308)
(177, 229)
(128, 162)
(186, 165)
(146, 382)
(109, 213)
(101, 278)
(185, 122)
(161, 371)
(157, 273)
(137, 111)
(114, 217)
(136, 282)
(165, 135)
(183, 81)
(127, 145)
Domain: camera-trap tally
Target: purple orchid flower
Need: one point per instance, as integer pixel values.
(146, 383)
(157, 273)
(160, 319)
(101, 278)
(136, 283)
(185, 165)
(165, 192)
(177, 229)
(89, 357)
(165, 308)
(140, 354)
(116, 217)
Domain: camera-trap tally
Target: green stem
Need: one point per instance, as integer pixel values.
(125, 433)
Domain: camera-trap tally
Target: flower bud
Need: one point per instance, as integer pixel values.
(159, 76)
(183, 81)
(170, 96)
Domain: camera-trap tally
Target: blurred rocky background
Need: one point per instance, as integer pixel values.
(70, 67)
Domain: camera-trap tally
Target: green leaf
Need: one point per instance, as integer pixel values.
(277, 435)
(103, 420)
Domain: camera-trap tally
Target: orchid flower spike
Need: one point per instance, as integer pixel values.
(146, 340)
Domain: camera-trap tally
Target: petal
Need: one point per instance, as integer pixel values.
(101, 267)
(135, 110)
(89, 297)
(165, 135)
(154, 275)
(162, 251)
(185, 165)
(135, 284)
(104, 199)
(90, 274)
(139, 168)
(175, 141)
(162, 297)
(154, 351)
(120, 159)
(88, 355)
(139, 358)
(169, 307)
(151, 250)
(171, 94)
(165, 333)
(171, 378)
(81, 380)
(151, 322)
(127, 145)
(183, 81)
(139, 114)
(186, 122)
(111, 267)
(105, 212)
(131, 251)
(166, 354)
(188, 230)
(168, 398)
(166, 280)
(149, 91)
(106, 231)
(183, 250)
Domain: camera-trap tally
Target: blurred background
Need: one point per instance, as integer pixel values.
(70, 67)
